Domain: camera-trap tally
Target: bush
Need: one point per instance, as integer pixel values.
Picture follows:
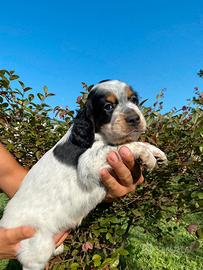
(101, 242)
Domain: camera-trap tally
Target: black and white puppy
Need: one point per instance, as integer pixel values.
(64, 186)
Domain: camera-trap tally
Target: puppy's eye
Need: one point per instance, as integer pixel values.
(133, 99)
(108, 107)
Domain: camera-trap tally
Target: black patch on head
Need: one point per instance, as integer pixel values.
(107, 80)
(98, 101)
(81, 138)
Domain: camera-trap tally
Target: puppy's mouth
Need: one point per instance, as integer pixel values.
(136, 132)
(124, 129)
(133, 135)
(128, 137)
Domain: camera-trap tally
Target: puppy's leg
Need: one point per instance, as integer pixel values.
(157, 153)
(35, 252)
(142, 152)
(91, 162)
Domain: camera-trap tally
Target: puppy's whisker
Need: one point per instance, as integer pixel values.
(136, 131)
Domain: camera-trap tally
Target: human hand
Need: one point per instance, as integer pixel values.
(10, 240)
(126, 174)
(60, 237)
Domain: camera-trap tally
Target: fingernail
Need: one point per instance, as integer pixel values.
(124, 151)
(113, 157)
(103, 172)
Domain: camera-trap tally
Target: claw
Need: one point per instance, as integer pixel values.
(161, 161)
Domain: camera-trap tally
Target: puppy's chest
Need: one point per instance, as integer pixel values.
(92, 161)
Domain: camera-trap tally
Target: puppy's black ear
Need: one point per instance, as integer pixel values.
(83, 131)
(81, 137)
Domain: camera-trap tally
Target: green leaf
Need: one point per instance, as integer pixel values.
(74, 266)
(5, 82)
(113, 262)
(5, 105)
(14, 77)
(27, 89)
(75, 252)
(200, 195)
(97, 260)
(38, 154)
(31, 97)
(50, 95)
(122, 251)
(20, 101)
(59, 267)
(110, 238)
(45, 88)
(22, 84)
(197, 194)
(2, 72)
(96, 257)
(137, 213)
(200, 233)
(40, 96)
(142, 102)
(195, 117)
(18, 154)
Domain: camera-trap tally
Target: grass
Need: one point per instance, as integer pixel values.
(175, 250)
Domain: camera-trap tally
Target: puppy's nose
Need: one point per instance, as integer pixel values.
(133, 119)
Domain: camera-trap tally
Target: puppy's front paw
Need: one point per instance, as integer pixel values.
(158, 154)
(161, 160)
(149, 155)
(146, 159)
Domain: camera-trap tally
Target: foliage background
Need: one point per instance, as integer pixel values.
(145, 230)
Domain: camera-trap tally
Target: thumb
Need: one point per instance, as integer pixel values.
(15, 235)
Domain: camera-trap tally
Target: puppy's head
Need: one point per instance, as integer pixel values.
(115, 112)
(112, 111)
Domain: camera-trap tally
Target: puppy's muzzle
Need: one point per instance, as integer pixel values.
(132, 118)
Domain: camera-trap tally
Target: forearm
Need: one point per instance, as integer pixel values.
(11, 173)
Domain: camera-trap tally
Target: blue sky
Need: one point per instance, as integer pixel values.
(150, 44)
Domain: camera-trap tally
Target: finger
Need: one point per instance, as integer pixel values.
(127, 157)
(108, 180)
(113, 187)
(59, 238)
(132, 165)
(15, 235)
(140, 180)
(137, 175)
(120, 169)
